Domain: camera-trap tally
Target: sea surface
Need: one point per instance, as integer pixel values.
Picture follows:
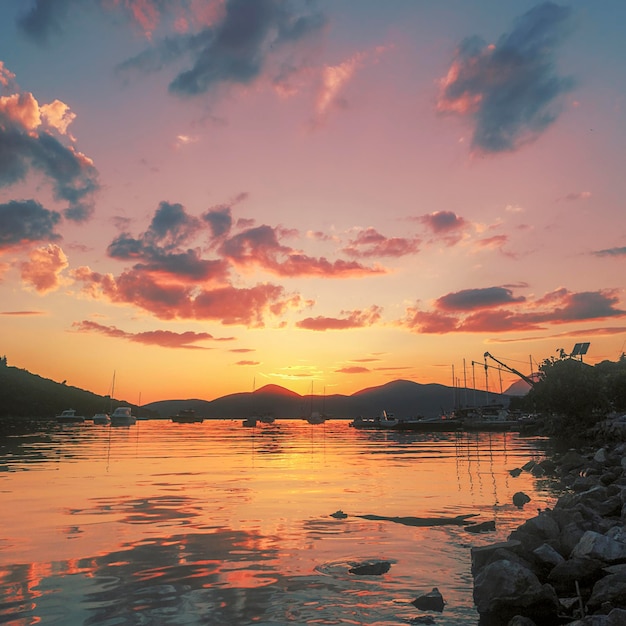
(214, 523)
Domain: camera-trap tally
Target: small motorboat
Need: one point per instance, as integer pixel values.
(122, 416)
(101, 418)
(69, 417)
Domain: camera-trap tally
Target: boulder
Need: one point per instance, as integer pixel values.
(371, 569)
(482, 555)
(520, 499)
(571, 460)
(609, 590)
(563, 576)
(520, 620)
(431, 601)
(547, 556)
(504, 589)
(596, 546)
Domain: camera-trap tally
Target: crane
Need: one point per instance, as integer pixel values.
(525, 378)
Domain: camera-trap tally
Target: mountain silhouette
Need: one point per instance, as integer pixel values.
(23, 394)
(403, 398)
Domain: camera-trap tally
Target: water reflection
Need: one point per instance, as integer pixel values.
(217, 524)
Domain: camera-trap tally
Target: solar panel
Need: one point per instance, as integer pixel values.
(580, 348)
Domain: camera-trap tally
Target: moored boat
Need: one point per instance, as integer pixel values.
(382, 421)
(186, 416)
(316, 418)
(69, 417)
(101, 418)
(122, 416)
(387, 421)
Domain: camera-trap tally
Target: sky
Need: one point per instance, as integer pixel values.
(207, 196)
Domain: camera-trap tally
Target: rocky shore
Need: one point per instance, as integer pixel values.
(566, 565)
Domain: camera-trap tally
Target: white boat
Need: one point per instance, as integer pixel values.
(101, 418)
(69, 417)
(382, 421)
(122, 416)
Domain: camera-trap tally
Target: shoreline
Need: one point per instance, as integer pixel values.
(565, 565)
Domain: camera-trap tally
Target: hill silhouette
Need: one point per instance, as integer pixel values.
(27, 395)
(403, 398)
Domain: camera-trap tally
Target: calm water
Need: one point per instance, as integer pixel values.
(214, 523)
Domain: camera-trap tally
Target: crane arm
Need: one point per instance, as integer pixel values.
(525, 378)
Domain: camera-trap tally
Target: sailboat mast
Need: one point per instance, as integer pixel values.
(112, 392)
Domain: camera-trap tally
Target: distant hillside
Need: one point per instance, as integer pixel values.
(23, 394)
(402, 397)
(518, 388)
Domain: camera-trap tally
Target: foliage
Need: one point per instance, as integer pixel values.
(23, 394)
(577, 395)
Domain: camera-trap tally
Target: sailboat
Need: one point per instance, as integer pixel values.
(122, 416)
(315, 417)
(266, 417)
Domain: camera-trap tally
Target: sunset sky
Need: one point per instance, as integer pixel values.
(210, 195)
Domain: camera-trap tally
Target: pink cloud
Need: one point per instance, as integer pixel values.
(446, 226)
(371, 243)
(43, 270)
(228, 305)
(163, 338)
(355, 369)
(260, 246)
(351, 319)
(429, 322)
(487, 312)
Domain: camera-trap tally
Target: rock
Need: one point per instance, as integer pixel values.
(371, 569)
(431, 601)
(563, 576)
(481, 528)
(596, 546)
(506, 589)
(548, 465)
(422, 619)
(571, 460)
(537, 471)
(601, 456)
(528, 466)
(583, 483)
(546, 555)
(520, 620)
(591, 620)
(611, 589)
(482, 555)
(617, 617)
(339, 515)
(520, 499)
(515, 472)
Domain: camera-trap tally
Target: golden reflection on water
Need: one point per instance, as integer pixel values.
(214, 523)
